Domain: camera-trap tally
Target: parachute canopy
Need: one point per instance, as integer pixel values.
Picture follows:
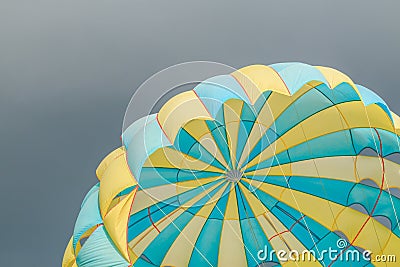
(285, 157)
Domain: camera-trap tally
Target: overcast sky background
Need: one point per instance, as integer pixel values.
(69, 68)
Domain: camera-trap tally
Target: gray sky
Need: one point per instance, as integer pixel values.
(69, 68)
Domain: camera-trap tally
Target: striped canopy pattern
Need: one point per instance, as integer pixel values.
(286, 157)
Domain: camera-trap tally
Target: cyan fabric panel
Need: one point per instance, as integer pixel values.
(207, 245)
(370, 97)
(215, 91)
(295, 75)
(136, 127)
(98, 251)
(143, 144)
(89, 215)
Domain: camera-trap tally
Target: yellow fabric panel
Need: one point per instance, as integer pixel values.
(199, 130)
(371, 168)
(113, 203)
(181, 250)
(396, 120)
(201, 195)
(357, 115)
(79, 246)
(326, 168)
(325, 122)
(231, 212)
(322, 123)
(232, 113)
(373, 235)
(273, 108)
(69, 256)
(115, 178)
(335, 77)
(256, 79)
(231, 248)
(377, 115)
(182, 187)
(107, 161)
(71, 264)
(145, 199)
(184, 243)
(256, 206)
(167, 157)
(352, 169)
(179, 110)
(280, 170)
(116, 223)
